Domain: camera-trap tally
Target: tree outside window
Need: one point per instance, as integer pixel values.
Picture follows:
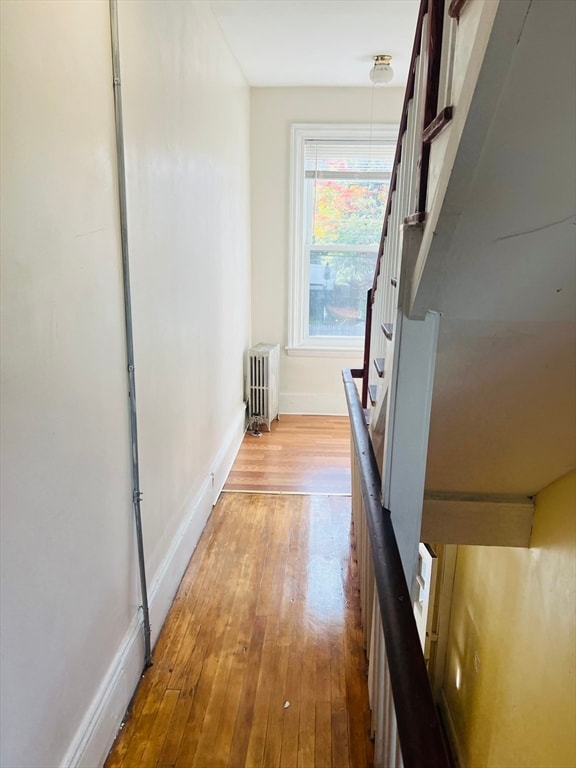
(341, 191)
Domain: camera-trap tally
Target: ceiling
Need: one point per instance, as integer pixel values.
(317, 42)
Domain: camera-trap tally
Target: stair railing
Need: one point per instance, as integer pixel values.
(406, 725)
(406, 204)
(405, 722)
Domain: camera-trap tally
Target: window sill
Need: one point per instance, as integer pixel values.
(310, 351)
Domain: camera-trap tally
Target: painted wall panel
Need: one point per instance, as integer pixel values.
(307, 384)
(70, 597)
(67, 587)
(187, 144)
(510, 680)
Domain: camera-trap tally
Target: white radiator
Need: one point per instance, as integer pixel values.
(263, 384)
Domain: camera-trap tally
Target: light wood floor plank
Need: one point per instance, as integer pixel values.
(156, 737)
(301, 454)
(176, 729)
(291, 723)
(245, 716)
(323, 735)
(340, 743)
(276, 710)
(266, 615)
(267, 681)
(306, 743)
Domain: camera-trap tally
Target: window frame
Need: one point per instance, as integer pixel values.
(299, 340)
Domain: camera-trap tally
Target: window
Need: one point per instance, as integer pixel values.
(340, 179)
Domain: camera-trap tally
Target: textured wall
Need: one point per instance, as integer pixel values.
(70, 592)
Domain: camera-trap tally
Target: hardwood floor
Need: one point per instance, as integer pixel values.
(260, 662)
(301, 454)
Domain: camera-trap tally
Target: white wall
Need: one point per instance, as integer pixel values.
(71, 638)
(187, 128)
(307, 384)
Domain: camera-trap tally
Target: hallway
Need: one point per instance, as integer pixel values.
(260, 662)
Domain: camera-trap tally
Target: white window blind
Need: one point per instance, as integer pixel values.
(325, 159)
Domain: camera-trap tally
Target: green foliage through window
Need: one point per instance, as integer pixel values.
(346, 195)
(340, 183)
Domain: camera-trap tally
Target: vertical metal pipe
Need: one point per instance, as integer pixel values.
(120, 157)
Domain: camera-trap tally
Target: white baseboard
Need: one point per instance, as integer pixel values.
(165, 582)
(313, 405)
(229, 450)
(97, 731)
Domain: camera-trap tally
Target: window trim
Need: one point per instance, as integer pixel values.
(298, 342)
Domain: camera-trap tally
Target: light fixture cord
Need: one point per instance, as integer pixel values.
(371, 125)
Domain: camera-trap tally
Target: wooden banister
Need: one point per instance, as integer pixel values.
(408, 94)
(419, 728)
(437, 125)
(435, 13)
(455, 8)
(366, 360)
(432, 124)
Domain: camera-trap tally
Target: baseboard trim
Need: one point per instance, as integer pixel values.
(167, 579)
(97, 731)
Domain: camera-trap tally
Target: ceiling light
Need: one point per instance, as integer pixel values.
(381, 73)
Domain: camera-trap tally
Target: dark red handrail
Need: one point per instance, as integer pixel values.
(434, 41)
(455, 8)
(431, 126)
(408, 95)
(366, 360)
(419, 728)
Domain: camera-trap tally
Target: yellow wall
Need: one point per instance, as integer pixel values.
(510, 670)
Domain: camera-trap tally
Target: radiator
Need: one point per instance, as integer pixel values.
(263, 384)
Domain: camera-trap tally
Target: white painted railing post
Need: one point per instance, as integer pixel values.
(408, 417)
